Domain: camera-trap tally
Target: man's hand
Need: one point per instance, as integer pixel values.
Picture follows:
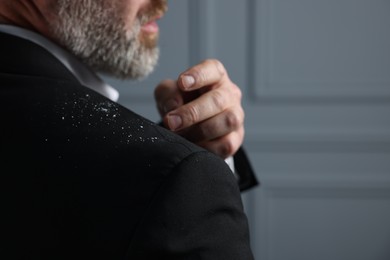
(204, 106)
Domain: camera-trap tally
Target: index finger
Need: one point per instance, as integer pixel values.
(205, 106)
(207, 73)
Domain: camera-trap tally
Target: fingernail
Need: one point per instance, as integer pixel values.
(174, 122)
(170, 105)
(188, 81)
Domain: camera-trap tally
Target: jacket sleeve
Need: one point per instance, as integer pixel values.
(244, 171)
(196, 214)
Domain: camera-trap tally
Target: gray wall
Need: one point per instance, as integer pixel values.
(316, 81)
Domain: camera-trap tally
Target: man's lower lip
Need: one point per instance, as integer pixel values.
(151, 27)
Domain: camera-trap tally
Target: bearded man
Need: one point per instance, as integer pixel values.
(82, 176)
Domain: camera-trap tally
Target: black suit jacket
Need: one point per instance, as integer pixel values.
(83, 177)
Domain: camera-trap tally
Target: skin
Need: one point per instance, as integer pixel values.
(208, 112)
(202, 104)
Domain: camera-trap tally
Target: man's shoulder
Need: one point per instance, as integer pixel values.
(85, 123)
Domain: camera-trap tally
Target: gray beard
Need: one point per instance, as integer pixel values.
(92, 31)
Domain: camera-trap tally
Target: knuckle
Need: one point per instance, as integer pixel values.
(233, 120)
(227, 148)
(210, 61)
(199, 75)
(237, 92)
(218, 64)
(218, 100)
(204, 133)
(241, 133)
(242, 116)
(192, 116)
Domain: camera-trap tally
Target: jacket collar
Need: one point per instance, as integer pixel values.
(77, 69)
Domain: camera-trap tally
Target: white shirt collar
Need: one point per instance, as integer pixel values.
(81, 72)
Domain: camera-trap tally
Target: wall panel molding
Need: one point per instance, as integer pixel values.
(318, 146)
(295, 219)
(338, 80)
(319, 220)
(201, 30)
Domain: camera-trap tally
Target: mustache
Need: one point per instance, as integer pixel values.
(156, 9)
